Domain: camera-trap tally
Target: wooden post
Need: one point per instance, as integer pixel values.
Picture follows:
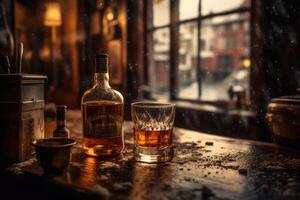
(174, 48)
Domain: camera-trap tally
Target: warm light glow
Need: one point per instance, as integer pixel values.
(100, 4)
(157, 1)
(110, 15)
(246, 63)
(53, 14)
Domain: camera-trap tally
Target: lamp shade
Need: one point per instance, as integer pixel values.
(52, 14)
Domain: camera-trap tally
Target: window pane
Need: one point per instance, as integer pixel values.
(161, 12)
(215, 6)
(224, 54)
(187, 66)
(188, 9)
(159, 63)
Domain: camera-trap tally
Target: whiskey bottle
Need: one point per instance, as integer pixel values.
(61, 130)
(102, 113)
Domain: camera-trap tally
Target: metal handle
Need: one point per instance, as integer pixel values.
(20, 56)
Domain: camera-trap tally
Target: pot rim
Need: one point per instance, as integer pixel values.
(42, 143)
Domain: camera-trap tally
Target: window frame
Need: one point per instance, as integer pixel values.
(173, 26)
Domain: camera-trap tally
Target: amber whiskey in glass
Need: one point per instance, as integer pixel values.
(153, 131)
(102, 113)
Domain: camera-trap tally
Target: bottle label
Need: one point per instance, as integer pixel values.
(109, 125)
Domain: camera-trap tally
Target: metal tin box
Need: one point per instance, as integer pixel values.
(21, 115)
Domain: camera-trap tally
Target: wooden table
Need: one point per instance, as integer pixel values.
(204, 167)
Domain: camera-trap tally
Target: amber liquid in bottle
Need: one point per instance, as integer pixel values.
(102, 121)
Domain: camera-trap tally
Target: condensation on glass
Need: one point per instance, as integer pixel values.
(187, 62)
(188, 9)
(159, 63)
(161, 12)
(225, 59)
(217, 6)
(217, 61)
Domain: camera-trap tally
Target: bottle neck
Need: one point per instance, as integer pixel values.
(61, 123)
(60, 119)
(101, 80)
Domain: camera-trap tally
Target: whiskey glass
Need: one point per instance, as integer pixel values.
(153, 131)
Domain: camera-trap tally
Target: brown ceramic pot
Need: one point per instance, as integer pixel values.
(54, 154)
(283, 118)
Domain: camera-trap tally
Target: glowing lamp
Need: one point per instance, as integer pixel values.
(246, 63)
(53, 14)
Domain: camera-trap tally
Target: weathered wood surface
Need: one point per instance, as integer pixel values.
(204, 167)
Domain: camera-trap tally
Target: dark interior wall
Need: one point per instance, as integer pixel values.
(49, 50)
(8, 12)
(281, 46)
(8, 5)
(135, 51)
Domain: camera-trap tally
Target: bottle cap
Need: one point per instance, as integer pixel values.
(101, 63)
(61, 107)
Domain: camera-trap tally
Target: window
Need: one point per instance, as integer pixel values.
(231, 42)
(194, 47)
(203, 45)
